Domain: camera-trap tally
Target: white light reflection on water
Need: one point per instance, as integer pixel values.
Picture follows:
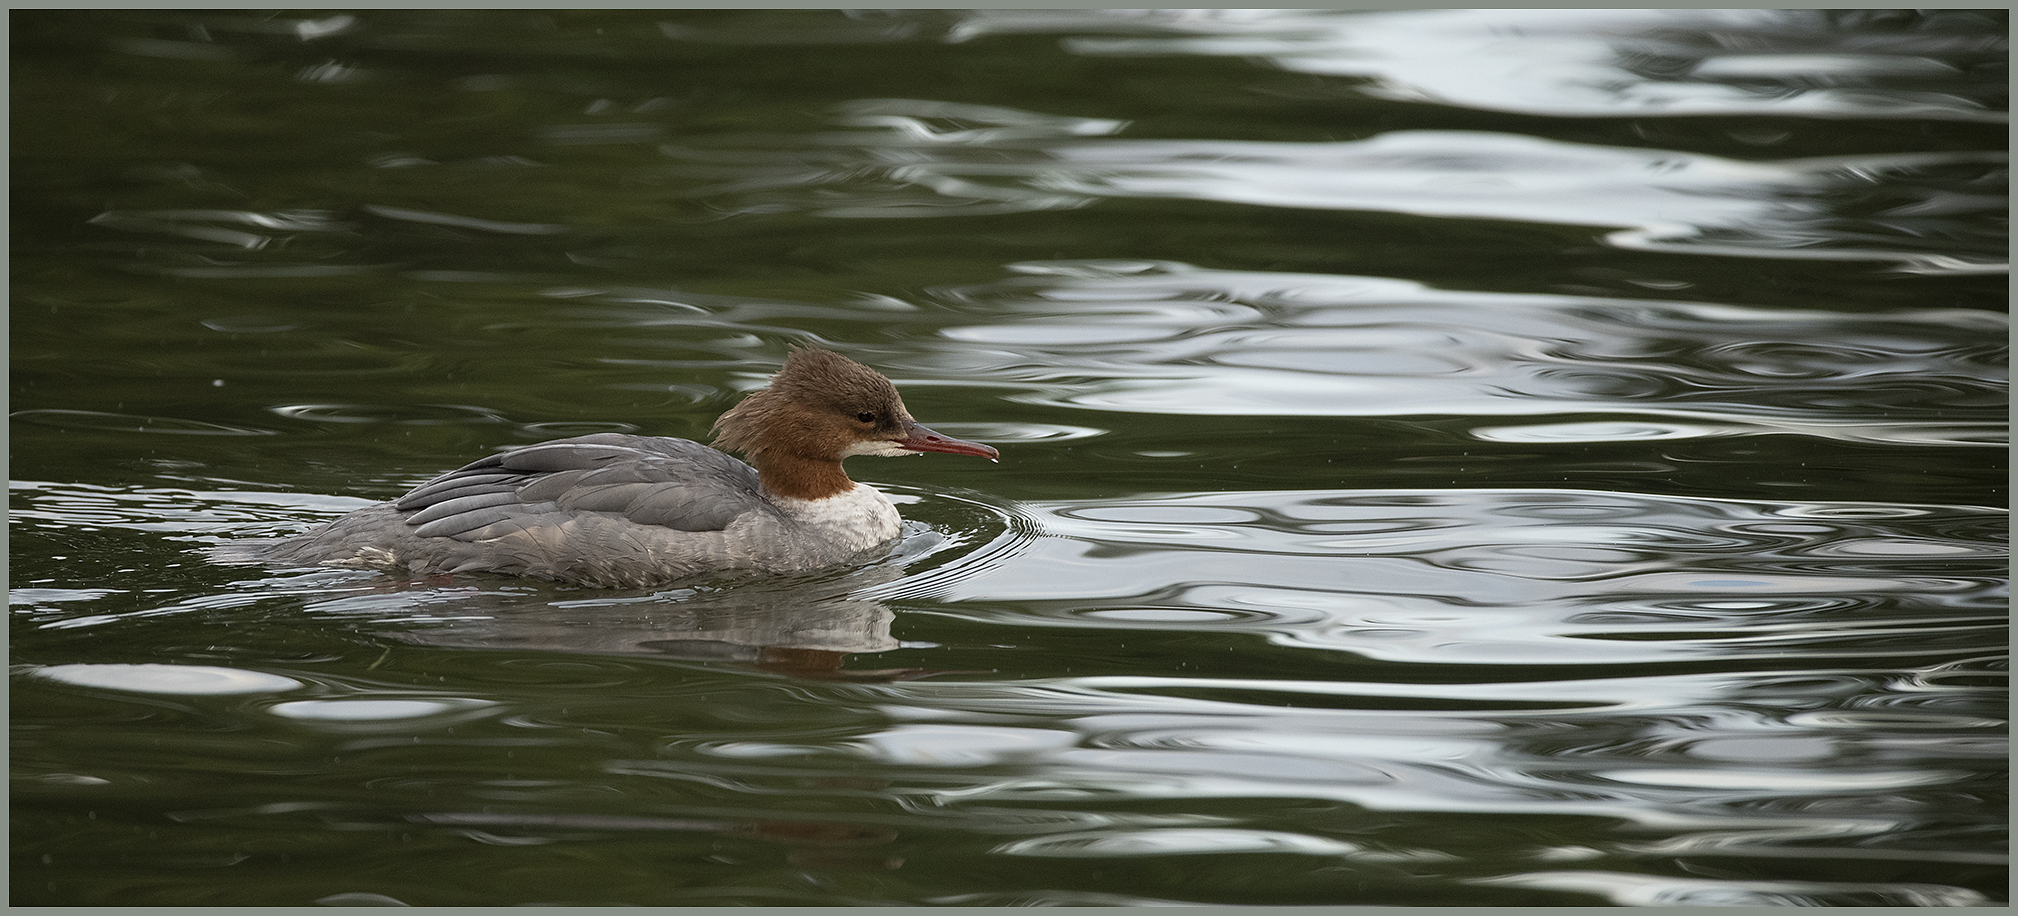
(928, 158)
(1742, 762)
(1172, 338)
(1497, 577)
(1114, 752)
(1400, 611)
(1625, 889)
(1296, 686)
(173, 680)
(1668, 201)
(1577, 63)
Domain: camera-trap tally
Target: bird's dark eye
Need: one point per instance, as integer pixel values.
(866, 417)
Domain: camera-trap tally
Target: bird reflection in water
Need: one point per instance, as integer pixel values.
(803, 627)
(796, 626)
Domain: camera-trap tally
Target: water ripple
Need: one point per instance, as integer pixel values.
(1301, 608)
(1510, 576)
(1583, 63)
(1936, 213)
(1669, 201)
(1170, 338)
(1627, 889)
(102, 420)
(1642, 748)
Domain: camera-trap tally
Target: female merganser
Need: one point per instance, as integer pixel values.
(612, 510)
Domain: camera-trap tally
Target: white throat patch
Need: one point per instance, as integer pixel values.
(881, 448)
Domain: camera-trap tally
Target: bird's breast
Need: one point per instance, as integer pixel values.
(852, 521)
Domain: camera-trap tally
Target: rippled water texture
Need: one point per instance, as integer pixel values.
(1494, 457)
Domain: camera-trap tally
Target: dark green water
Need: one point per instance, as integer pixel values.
(1508, 457)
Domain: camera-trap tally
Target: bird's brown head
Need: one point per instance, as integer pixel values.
(822, 407)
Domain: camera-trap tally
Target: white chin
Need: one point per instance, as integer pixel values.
(880, 448)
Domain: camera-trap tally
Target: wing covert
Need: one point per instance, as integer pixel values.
(656, 482)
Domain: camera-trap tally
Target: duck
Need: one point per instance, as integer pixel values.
(613, 510)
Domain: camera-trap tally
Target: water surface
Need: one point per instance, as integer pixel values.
(1504, 457)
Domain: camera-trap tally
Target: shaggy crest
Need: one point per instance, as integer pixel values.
(798, 410)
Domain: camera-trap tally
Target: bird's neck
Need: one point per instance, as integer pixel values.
(794, 477)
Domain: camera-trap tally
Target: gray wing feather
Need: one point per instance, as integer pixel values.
(591, 496)
(549, 487)
(655, 482)
(565, 455)
(459, 483)
(467, 524)
(687, 508)
(460, 504)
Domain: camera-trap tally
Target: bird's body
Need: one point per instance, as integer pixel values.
(615, 510)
